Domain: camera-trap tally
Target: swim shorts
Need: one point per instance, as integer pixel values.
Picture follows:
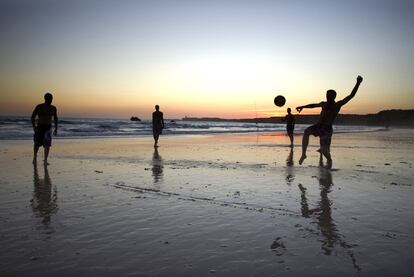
(290, 128)
(156, 130)
(43, 136)
(323, 131)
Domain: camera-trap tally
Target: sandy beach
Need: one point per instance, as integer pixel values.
(209, 205)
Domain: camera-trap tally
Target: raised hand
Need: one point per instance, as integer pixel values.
(299, 109)
(359, 79)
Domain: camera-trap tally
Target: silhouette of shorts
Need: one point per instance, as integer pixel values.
(323, 131)
(290, 128)
(157, 130)
(43, 136)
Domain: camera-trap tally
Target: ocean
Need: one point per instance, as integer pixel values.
(12, 128)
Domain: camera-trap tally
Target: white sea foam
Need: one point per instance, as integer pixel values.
(20, 128)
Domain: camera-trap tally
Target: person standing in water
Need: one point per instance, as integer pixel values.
(43, 129)
(290, 125)
(323, 129)
(157, 124)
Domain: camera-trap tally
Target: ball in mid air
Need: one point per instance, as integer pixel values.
(280, 101)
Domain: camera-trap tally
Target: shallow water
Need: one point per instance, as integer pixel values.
(216, 205)
(12, 128)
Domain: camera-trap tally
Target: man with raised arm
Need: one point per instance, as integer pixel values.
(43, 128)
(323, 129)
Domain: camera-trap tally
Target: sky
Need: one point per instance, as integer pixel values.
(210, 58)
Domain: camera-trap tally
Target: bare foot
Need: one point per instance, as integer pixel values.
(328, 164)
(302, 159)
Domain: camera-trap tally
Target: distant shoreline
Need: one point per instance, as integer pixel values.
(391, 118)
(399, 118)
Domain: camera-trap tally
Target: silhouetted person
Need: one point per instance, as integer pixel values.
(43, 128)
(290, 125)
(44, 200)
(157, 124)
(323, 129)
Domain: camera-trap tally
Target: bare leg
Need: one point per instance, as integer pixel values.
(320, 158)
(291, 140)
(47, 149)
(325, 150)
(156, 140)
(305, 142)
(35, 150)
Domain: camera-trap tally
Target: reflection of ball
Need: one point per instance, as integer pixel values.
(280, 101)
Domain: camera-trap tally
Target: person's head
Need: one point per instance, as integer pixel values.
(288, 110)
(157, 108)
(331, 95)
(48, 98)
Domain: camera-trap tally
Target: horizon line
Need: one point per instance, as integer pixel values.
(208, 117)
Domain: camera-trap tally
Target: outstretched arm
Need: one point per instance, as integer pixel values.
(309, 106)
(354, 91)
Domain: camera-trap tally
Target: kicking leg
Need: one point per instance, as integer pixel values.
(305, 142)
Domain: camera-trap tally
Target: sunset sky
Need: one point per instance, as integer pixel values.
(203, 58)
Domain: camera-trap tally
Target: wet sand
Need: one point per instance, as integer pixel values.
(216, 205)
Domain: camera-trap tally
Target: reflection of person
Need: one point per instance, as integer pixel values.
(157, 124)
(323, 214)
(290, 125)
(323, 129)
(289, 168)
(44, 201)
(157, 166)
(43, 128)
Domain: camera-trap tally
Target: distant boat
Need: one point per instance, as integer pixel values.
(134, 118)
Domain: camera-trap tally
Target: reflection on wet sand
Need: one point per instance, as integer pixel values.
(289, 168)
(277, 246)
(329, 233)
(157, 166)
(44, 202)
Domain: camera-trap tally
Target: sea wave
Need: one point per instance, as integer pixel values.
(20, 128)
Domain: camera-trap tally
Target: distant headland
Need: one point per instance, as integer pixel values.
(135, 118)
(401, 118)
